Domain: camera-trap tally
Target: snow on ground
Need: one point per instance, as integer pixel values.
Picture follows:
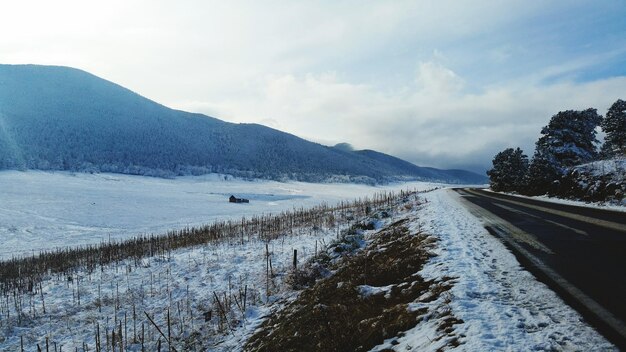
(503, 307)
(615, 167)
(70, 311)
(185, 281)
(45, 210)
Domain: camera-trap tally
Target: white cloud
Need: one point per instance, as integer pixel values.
(339, 71)
(434, 122)
(434, 78)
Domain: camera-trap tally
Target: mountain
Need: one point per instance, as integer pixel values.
(402, 167)
(60, 118)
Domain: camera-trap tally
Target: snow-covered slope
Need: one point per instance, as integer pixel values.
(59, 118)
(603, 180)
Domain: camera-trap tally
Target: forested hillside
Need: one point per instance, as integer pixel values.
(59, 118)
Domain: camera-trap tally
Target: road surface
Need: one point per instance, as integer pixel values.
(580, 252)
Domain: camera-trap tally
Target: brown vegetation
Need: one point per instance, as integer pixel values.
(336, 314)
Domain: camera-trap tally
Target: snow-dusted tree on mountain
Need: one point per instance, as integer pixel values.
(614, 125)
(510, 167)
(568, 140)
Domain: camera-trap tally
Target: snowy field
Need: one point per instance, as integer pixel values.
(185, 283)
(84, 307)
(45, 210)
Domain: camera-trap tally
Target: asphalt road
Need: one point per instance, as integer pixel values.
(580, 252)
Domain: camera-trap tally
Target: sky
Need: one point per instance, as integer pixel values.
(445, 83)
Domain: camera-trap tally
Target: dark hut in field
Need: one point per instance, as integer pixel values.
(234, 199)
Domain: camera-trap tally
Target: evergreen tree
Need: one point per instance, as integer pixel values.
(510, 167)
(568, 140)
(614, 125)
(542, 175)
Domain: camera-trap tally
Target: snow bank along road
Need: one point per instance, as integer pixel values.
(580, 252)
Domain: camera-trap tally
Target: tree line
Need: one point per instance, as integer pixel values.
(569, 139)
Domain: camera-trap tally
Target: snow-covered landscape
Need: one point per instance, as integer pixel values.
(44, 210)
(312, 176)
(501, 306)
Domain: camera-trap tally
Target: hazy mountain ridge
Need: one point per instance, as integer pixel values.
(59, 118)
(405, 167)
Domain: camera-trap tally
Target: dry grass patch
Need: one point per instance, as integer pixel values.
(364, 302)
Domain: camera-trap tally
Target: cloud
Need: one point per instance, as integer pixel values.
(445, 83)
(434, 122)
(434, 78)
